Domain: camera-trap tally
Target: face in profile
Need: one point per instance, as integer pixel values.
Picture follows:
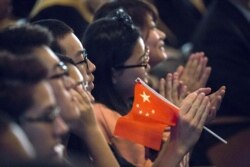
(61, 84)
(74, 49)
(154, 39)
(76, 75)
(44, 125)
(135, 66)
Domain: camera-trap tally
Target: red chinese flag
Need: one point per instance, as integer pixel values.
(150, 114)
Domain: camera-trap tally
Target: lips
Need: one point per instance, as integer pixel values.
(91, 83)
(161, 43)
(58, 151)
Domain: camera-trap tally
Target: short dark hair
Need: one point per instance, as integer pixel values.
(26, 68)
(16, 98)
(58, 29)
(23, 39)
(17, 81)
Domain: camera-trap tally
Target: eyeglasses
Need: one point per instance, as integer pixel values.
(49, 116)
(144, 57)
(85, 59)
(63, 71)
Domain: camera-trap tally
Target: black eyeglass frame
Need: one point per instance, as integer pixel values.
(143, 64)
(85, 59)
(64, 69)
(49, 118)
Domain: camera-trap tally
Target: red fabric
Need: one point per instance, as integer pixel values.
(150, 114)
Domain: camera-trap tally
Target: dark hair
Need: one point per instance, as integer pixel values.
(24, 38)
(58, 29)
(18, 79)
(27, 68)
(110, 42)
(15, 98)
(137, 9)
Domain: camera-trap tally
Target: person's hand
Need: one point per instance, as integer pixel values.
(87, 118)
(173, 89)
(196, 73)
(193, 114)
(215, 100)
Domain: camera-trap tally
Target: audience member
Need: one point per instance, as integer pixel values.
(38, 114)
(145, 17)
(36, 40)
(117, 49)
(68, 44)
(76, 109)
(80, 141)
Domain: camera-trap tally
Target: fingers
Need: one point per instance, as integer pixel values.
(162, 87)
(190, 64)
(204, 117)
(216, 97)
(204, 77)
(202, 112)
(187, 103)
(176, 84)
(169, 87)
(195, 106)
(206, 91)
(196, 73)
(201, 65)
(183, 91)
(180, 70)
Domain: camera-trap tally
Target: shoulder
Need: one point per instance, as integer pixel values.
(103, 112)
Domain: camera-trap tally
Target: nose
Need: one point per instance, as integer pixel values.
(161, 34)
(92, 66)
(60, 127)
(148, 67)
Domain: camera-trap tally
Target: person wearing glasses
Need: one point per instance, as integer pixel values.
(27, 97)
(36, 40)
(162, 60)
(76, 109)
(115, 46)
(67, 43)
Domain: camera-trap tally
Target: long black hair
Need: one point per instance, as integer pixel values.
(109, 42)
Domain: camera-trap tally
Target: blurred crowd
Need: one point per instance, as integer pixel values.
(68, 70)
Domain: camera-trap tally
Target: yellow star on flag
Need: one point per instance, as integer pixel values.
(145, 97)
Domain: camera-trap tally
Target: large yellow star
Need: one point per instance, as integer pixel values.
(145, 97)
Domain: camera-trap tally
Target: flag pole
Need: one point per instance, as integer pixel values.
(215, 135)
(164, 99)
